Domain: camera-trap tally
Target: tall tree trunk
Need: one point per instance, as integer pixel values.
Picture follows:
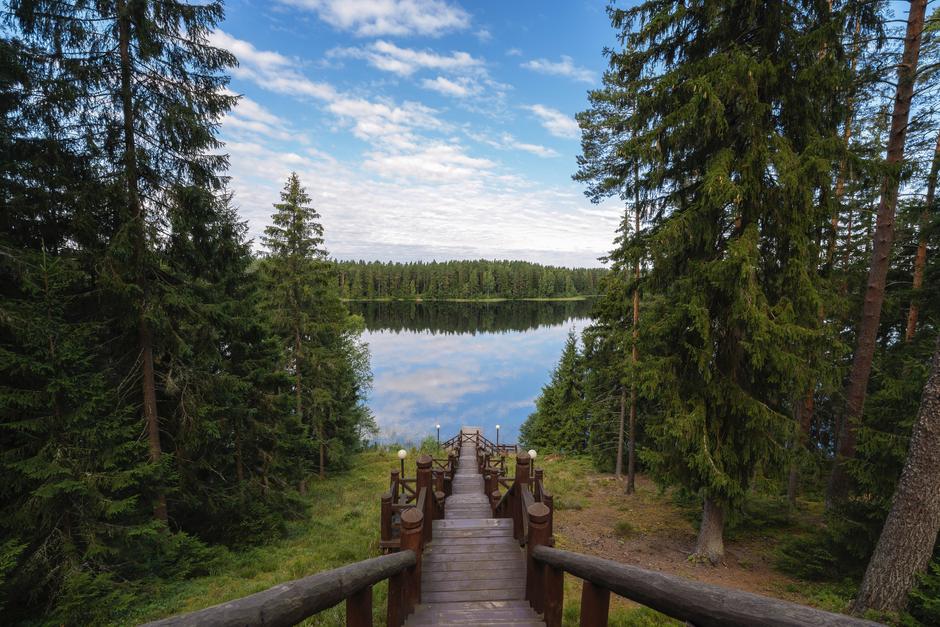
(843, 163)
(139, 243)
(322, 453)
(711, 544)
(804, 418)
(618, 465)
(920, 260)
(910, 531)
(631, 449)
(298, 395)
(881, 256)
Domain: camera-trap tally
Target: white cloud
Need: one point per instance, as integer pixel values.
(514, 52)
(376, 18)
(270, 70)
(459, 87)
(484, 35)
(555, 122)
(507, 141)
(565, 67)
(437, 162)
(388, 57)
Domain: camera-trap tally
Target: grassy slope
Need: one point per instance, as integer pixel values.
(341, 527)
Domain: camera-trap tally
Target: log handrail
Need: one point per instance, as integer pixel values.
(700, 604)
(291, 602)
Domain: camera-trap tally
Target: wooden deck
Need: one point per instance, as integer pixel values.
(473, 571)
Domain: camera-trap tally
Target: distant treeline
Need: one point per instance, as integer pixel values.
(464, 279)
(484, 317)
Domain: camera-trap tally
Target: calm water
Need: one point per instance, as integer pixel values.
(462, 363)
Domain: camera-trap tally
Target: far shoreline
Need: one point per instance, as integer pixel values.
(467, 300)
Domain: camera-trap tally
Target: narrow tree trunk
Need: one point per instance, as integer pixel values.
(910, 531)
(843, 163)
(920, 260)
(881, 256)
(298, 395)
(139, 243)
(804, 417)
(322, 453)
(711, 544)
(618, 465)
(631, 449)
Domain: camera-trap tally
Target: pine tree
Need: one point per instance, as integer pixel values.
(910, 532)
(857, 383)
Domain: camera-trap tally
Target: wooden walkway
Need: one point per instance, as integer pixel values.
(473, 571)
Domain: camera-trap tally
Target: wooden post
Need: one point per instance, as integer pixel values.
(595, 603)
(521, 483)
(554, 579)
(386, 516)
(494, 501)
(439, 505)
(412, 520)
(537, 486)
(538, 535)
(395, 487)
(549, 501)
(424, 480)
(359, 608)
(394, 616)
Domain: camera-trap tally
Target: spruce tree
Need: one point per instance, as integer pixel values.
(731, 113)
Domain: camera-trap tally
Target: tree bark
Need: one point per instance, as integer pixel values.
(843, 163)
(804, 417)
(631, 449)
(618, 465)
(298, 395)
(881, 255)
(711, 544)
(910, 531)
(920, 260)
(322, 453)
(139, 244)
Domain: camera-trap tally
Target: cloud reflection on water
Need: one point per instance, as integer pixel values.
(423, 378)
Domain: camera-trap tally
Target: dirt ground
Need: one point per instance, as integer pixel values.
(647, 530)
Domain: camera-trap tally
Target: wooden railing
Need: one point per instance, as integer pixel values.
(290, 603)
(426, 492)
(483, 444)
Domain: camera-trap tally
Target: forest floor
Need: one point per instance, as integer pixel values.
(653, 529)
(650, 529)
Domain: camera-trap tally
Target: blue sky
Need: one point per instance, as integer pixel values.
(422, 129)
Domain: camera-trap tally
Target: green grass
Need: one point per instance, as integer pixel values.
(389, 299)
(340, 527)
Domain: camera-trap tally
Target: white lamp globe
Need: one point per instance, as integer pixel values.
(497, 427)
(402, 454)
(532, 453)
(438, 426)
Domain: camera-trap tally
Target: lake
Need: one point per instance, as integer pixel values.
(480, 364)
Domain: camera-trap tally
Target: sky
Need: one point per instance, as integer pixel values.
(421, 129)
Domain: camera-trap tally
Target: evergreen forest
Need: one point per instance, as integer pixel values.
(769, 324)
(174, 392)
(471, 280)
(165, 392)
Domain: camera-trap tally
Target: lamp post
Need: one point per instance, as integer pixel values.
(533, 455)
(497, 436)
(402, 454)
(438, 436)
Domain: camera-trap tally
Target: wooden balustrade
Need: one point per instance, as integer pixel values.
(699, 604)
(291, 602)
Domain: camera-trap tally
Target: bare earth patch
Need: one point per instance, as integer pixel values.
(647, 530)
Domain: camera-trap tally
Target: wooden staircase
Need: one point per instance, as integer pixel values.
(473, 571)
